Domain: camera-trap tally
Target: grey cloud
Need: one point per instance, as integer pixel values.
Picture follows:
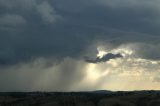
(45, 51)
(147, 51)
(6, 56)
(105, 58)
(11, 20)
(84, 24)
(16, 4)
(31, 7)
(129, 3)
(47, 12)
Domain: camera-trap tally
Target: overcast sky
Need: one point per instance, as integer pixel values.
(78, 45)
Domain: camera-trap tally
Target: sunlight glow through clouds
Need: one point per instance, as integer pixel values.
(127, 73)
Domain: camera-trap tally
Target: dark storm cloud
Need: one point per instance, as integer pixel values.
(148, 51)
(31, 29)
(105, 58)
(11, 21)
(43, 42)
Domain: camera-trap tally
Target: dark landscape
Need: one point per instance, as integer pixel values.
(94, 98)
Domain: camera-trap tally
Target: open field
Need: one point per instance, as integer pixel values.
(96, 98)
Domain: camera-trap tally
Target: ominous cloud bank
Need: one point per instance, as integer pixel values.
(59, 33)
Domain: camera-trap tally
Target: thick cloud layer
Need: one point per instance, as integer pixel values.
(59, 29)
(31, 28)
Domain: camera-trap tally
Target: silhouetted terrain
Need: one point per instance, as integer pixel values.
(95, 98)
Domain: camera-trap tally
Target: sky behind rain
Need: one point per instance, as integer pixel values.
(79, 45)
